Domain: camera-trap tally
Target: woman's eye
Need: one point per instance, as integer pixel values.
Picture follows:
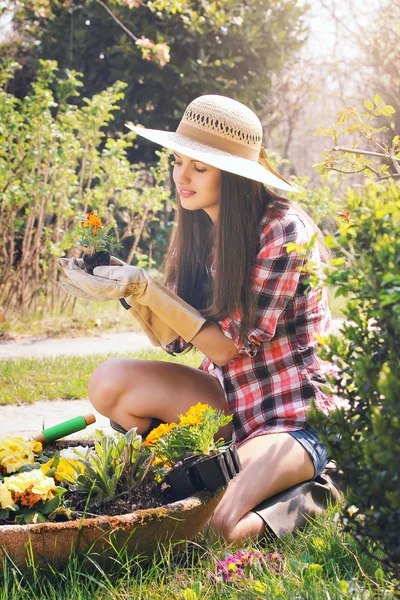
(178, 164)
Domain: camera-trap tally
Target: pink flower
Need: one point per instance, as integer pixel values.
(241, 564)
(144, 42)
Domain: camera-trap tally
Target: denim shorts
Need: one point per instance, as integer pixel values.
(318, 452)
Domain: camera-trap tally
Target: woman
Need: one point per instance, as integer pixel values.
(239, 297)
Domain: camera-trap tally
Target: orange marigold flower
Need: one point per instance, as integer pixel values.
(157, 432)
(94, 221)
(194, 415)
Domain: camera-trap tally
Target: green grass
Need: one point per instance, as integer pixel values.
(67, 377)
(319, 563)
(82, 319)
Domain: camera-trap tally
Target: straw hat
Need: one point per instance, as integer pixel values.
(221, 132)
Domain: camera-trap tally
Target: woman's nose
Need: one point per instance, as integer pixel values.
(182, 175)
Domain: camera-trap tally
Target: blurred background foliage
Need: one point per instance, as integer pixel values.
(233, 48)
(72, 75)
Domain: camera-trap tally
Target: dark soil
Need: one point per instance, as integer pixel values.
(148, 496)
(99, 259)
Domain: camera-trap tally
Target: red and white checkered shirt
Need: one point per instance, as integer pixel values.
(270, 385)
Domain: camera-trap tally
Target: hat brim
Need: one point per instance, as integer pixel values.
(212, 156)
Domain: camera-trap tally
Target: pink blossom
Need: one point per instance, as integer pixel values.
(241, 564)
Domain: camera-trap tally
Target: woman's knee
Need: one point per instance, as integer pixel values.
(104, 387)
(223, 523)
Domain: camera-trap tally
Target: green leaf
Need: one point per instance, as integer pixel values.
(377, 99)
(30, 517)
(379, 574)
(51, 505)
(66, 513)
(330, 241)
(368, 104)
(387, 110)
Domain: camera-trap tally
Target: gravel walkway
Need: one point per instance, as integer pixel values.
(46, 347)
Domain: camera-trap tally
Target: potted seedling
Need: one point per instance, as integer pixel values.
(196, 460)
(97, 239)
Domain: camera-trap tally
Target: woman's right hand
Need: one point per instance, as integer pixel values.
(69, 264)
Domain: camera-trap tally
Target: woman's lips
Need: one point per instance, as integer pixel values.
(186, 194)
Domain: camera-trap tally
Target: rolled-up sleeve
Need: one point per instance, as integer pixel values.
(276, 277)
(178, 345)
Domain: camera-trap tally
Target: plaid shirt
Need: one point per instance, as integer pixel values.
(270, 385)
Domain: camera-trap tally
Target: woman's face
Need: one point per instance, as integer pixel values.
(204, 181)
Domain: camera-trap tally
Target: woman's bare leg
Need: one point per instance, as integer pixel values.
(132, 392)
(271, 463)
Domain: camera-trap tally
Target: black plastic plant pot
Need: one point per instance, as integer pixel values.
(229, 462)
(213, 472)
(204, 472)
(233, 453)
(183, 482)
(99, 259)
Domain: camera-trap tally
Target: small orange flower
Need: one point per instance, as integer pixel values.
(94, 221)
(156, 433)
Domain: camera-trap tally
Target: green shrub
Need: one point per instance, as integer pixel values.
(364, 439)
(57, 162)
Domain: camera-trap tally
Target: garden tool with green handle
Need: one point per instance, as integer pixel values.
(162, 313)
(51, 434)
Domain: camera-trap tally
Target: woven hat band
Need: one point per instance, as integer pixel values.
(216, 141)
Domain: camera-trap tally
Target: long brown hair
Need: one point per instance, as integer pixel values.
(232, 241)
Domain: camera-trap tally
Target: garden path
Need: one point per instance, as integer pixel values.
(47, 347)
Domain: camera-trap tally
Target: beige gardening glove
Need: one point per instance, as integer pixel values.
(156, 330)
(163, 312)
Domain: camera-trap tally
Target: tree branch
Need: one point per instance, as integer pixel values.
(110, 12)
(365, 153)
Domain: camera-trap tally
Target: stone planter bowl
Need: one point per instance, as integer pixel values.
(140, 532)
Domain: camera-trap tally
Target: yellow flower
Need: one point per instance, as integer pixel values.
(65, 468)
(157, 432)
(6, 500)
(30, 487)
(161, 461)
(194, 415)
(15, 452)
(37, 447)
